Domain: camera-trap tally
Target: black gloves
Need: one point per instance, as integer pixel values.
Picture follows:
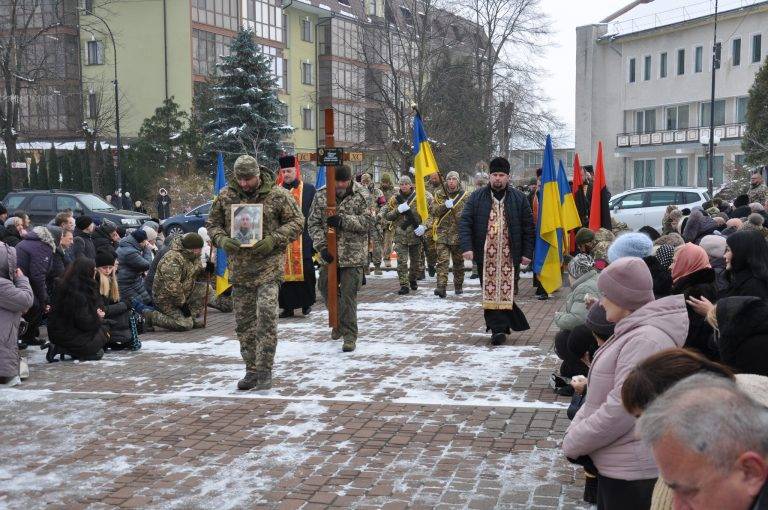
(334, 221)
(327, 257)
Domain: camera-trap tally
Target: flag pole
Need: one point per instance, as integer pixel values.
(332, 299)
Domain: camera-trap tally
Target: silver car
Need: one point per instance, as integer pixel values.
(646, 206)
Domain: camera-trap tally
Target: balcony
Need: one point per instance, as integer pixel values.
(688, 135)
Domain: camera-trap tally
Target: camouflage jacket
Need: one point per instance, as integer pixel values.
(356, 221)
(282, 221)
(444, 221)
(373, 200)
(404, 235)
(758, 194)
(175, 276)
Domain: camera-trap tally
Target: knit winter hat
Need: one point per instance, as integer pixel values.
(627, 282)
(603, 234)
(151, 233)
(597, 323)
(756, 219)
(580, 341)
(713, 211)
(580, 265)
(139, 235)
(756, 207)
(404, 179)
(584, 236)
(83, 222)
(734, 222)
(192, 241)
(674, 240)
(600, 251)
(665, 254)
(246, 167)
(631, 244)
(714, 246)
(452, 174)
(104, 258)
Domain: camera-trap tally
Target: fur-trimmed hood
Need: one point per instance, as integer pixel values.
(44, 235)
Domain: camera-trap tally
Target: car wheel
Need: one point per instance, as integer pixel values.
(174, 230)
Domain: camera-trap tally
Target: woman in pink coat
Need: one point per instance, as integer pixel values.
(602, 429)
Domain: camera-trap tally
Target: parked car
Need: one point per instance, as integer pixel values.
(43, 205)
(186, 222)
(646, 206)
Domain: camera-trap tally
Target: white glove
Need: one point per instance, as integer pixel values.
(419, 231)
(403, 207)
(449, 203)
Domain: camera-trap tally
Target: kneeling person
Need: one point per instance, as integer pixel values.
(352, 222)
(178, 297)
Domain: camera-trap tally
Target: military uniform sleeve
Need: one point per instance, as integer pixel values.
(216, 224)
(291, 222)
(361, 222)
(316, 223)
(392, 213)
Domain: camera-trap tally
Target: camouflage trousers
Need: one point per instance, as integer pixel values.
(168, 316)
(256, 324)
(386, 249)
(427, 248)
(376, 238)
(222, 303)
(406, 253)
(446, 252)
(350, 281)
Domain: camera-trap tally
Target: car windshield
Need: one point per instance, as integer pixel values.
(94, 203)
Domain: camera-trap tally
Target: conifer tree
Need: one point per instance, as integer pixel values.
(54, 178)
(755, 141)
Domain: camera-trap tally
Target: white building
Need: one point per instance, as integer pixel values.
(646, 96)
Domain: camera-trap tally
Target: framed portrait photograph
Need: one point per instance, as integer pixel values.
(247, 223)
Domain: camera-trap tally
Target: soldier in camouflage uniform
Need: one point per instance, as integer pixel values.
(408, 230)
(376, 236)
(353, 220)
(256, 272)
(433, 185)
(757, 192)
(444, 215)
(177, 295)
(388, 190)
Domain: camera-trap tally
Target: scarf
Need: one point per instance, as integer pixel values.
(294, 253)
(498, 271)
(689, 258)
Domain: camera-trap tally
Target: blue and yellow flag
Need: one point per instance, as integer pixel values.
(222, 273)
(424, 164)
(320, 178)
(548, 252)
(569, 213)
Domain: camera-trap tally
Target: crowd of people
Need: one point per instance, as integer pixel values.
(650, 310)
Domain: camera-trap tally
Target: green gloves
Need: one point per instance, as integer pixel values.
(265, 246)
(228, 244)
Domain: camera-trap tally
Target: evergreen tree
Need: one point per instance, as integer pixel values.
(54, 177)
(66, 170)
(755, 142)
(77, 164)
(42, 172)
(164, 138)
(246, 112)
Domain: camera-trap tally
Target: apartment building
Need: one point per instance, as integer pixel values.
(646, 96)
(525, 162)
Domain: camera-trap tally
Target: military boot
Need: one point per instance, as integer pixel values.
(440, 291)
(403, 290)
(458, 290)
(255, 380)
(377, 270)
(198, 323)
(349, 345)
(431, 270)
(414, 285)
(149, 326)
(422, 276)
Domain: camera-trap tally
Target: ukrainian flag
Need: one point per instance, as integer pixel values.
(548, 252)
(424, 165)
(222, 273)
(569, 213)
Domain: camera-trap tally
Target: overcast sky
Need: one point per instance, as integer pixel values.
(560, 58)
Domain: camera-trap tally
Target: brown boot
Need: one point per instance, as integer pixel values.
(348, 346)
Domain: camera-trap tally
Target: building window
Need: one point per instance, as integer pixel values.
(371, 8)
(285, 30)
(93, 105)
(95, 53)
(698, 57)
(407, 15)
(717, 173)
(647, 68)
(306, 30)
(645, 121)
(278, 65)
(736, 52)
(306, 73)
(719, 113)
(207, 50)
(218, 13)
(677, 117)
(680, 62)
(266, 18)
(533, 159)
(307, 118)
(631, 70)
(741, 110)
(88, 6)
(757, 48)
(645, 173)
(663, 65)
(676, 172)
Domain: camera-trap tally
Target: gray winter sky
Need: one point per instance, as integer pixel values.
(559, 60)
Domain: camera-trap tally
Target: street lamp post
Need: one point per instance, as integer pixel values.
(711, 159)
(118, 173)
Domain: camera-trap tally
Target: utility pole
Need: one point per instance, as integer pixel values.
(711, 158)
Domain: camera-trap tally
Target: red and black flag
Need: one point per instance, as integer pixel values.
(599, 214)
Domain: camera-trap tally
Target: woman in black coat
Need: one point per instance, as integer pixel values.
(117, 312)
(746, 259)
(75, 324)
(743, 333)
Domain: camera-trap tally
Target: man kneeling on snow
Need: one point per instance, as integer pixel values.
(177, 294)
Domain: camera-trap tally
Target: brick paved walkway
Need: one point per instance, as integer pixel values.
(423, 415)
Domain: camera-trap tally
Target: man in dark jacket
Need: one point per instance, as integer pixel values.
(83, 245)
(163, 204)
(34, 255)
(105, 237)
(504, 206)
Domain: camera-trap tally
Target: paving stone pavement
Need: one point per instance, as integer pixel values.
(424, 414)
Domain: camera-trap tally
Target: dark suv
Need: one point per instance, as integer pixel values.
(43, 205)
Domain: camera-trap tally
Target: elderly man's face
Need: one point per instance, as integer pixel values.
(434, 179)
(697, 485)
(245, 222)
(289, 174)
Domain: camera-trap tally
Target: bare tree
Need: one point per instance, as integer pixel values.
(98, 125)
